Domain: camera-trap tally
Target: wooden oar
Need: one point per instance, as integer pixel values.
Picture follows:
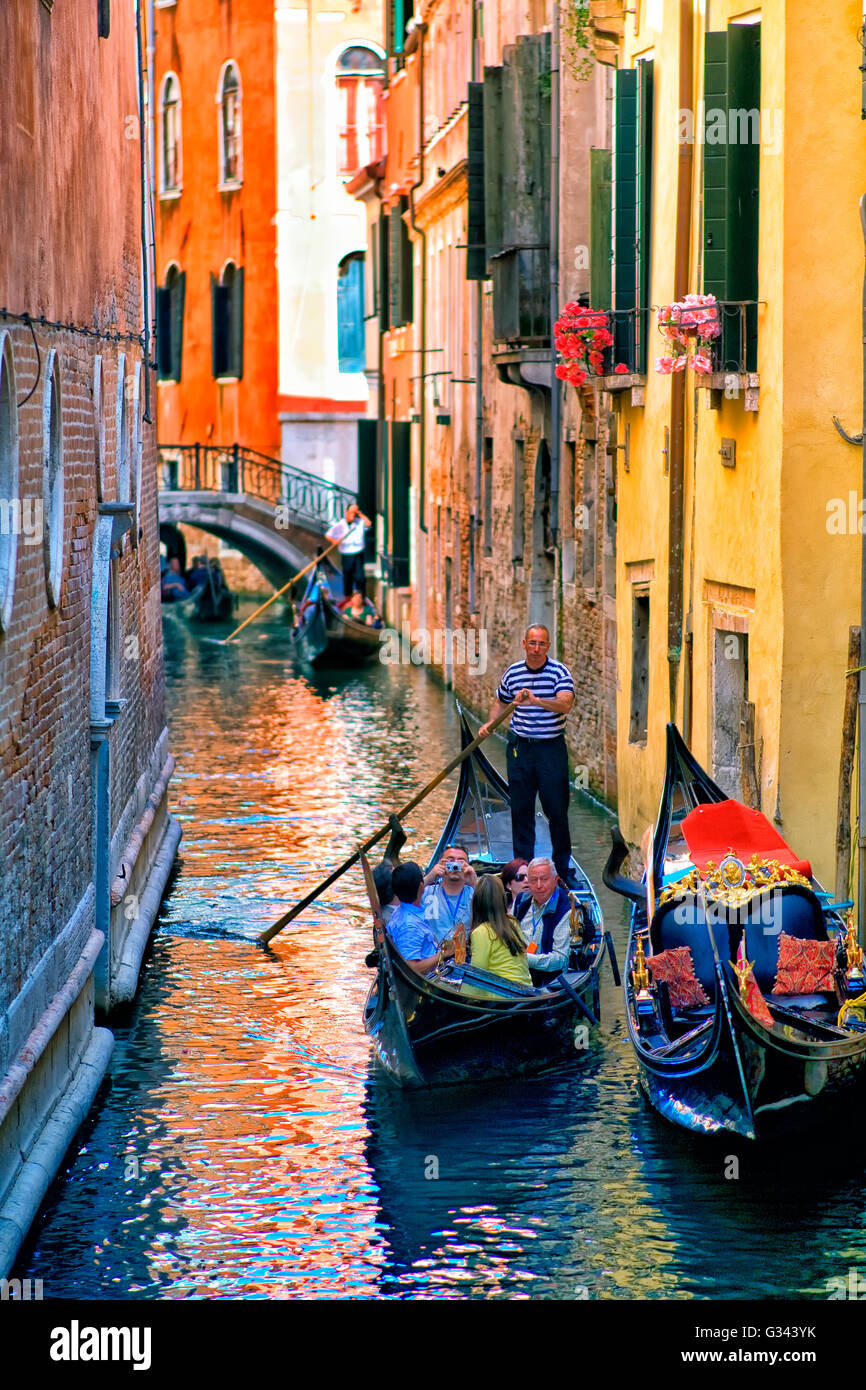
(221, 641)
(289, 916)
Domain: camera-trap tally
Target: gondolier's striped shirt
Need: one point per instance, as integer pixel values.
(530, 721)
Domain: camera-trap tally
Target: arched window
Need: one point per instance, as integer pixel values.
(230, 135)
(360, 82)
(227, 323)
(350, 312)
(10, 503)
(52, 480)
(170, 171)
(169, 324)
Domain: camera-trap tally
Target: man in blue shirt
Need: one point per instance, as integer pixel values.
(543, 694)
(408, 928)
(447, 897)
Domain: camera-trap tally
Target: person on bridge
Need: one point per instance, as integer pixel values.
(350, 534)
(543, 694)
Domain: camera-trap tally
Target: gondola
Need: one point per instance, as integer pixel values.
(324, 635)
(426, 1030)
(743, 1059)
(206, 604)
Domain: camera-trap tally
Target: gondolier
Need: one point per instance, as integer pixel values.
(350, 534)
(543, 694)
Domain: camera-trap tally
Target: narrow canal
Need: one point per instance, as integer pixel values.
(246, 1147)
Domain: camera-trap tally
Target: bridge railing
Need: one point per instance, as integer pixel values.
(234, 469)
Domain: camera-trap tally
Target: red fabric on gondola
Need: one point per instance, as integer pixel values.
(676, 967)
(713, 829)
(805, 967)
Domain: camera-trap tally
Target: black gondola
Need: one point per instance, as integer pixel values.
(425, 1030)
(746, 1060)
(206, 604)
(324, 634)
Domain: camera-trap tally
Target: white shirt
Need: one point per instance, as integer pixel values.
(350, 535)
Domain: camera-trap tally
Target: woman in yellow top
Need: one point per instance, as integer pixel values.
(497, 942)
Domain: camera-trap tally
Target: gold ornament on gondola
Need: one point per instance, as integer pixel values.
(640, 976)
(575, 920)
(733, 883)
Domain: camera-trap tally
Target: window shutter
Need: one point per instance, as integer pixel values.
(219, 328)
(625, 209)
(476, 256)
(599, 229)
(235, 309)
(178, 295)
(163, 334)
(103, 18)
(374, 269)
(643, 204)
(732, 82)
(493, 163)
(407, 274)
(384, 289)
(395, 266)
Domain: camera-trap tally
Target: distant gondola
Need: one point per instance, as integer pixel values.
(723, 883)
(324, 635)
(206, 604)
(425, 1029)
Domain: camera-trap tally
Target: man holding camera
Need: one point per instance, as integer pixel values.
(447, 899)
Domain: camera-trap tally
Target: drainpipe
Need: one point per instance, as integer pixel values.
(145, 268)
(477, 76)
(678, 388)
(555, 384)
(421, 30)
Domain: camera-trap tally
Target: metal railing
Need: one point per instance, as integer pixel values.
(630, 329)
(235, 469)
(395, 570)
(736, 350)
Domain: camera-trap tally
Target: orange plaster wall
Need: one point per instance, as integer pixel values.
(204, 228)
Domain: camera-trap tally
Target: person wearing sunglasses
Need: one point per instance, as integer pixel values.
(514, 880)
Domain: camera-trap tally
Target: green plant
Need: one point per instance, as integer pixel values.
(577, 45)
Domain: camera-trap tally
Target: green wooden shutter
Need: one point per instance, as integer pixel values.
(493, 163)
(625, 210)
(599, 228)
(732, 87)
(643, 207)
(103, 18)
(407, 271)
(395, 265)
(217, 294)
(744, 71)
(236, 324)
(384, 291)
(178, 297)
(476, 255)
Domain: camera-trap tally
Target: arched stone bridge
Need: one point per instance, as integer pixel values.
(274, 514)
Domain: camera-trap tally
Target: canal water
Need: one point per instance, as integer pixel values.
(246, 1147)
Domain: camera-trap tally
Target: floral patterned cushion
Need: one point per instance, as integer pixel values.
(676, 967)
(805, 967)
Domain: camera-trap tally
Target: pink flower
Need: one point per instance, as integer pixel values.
(622, 370)
(679, 363)
(702, 364)
(664, 365)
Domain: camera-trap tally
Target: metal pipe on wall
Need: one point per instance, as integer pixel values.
(421, 30)
(555, 384)
(678, 389)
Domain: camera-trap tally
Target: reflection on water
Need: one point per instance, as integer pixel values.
(246, 1146)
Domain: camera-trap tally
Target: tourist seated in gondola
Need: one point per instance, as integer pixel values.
(448, 892)
(383, 879)
(514, 877)
(407, 928)
(360, 609)
(198, 574)
(496, 942)
(173, 584)
(544, 916)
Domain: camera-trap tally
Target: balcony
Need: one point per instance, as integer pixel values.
(630, 329)
(394, 570)
(521, 296)
(734, 356)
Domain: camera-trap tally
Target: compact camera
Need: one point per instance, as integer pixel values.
(453, 866)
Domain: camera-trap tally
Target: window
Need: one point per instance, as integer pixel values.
(487, 487)
(123, 472)
(227, 323)
(350, 312)
(517, 503)
(637, 732)
(169, 324)
(360, 80)
(170, 172)
(400, 266)
(52, 480)
(632, 191)
(230, 138)
(11, 521)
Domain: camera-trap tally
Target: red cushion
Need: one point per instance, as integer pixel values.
(805, 967)
(676, 967)
(713, 829)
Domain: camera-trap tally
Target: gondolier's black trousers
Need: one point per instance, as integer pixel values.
(539, 766)
(353, 573)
